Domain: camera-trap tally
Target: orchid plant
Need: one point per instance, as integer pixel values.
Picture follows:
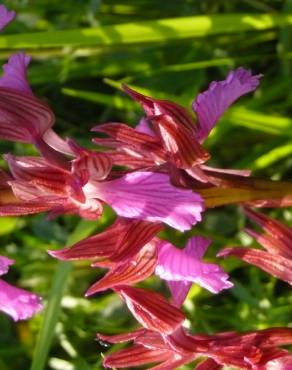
(152, 175)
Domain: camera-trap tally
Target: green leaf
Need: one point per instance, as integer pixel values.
(8, 224)
(113, 101)
(275, 125)
(148, 31)
(53, 307)
(273, 156)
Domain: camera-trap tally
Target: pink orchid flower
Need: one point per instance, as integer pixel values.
(138, 253)
(171, 135)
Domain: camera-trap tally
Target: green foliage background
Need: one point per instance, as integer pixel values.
(82, 50)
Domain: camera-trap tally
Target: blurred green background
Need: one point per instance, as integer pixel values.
(82, 50)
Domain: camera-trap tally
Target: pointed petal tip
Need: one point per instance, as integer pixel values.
(127, 89)
(5, 263)
(224, 252)
(56, 254)
(92, 290)
(94, 129)
(135, 95)
(6, 16)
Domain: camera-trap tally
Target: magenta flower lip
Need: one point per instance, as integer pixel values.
(15, 302)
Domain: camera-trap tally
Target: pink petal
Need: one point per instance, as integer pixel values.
(197, 173)
(179, 291)
(18, 303)
(211, 104)
(184, 265)
(196, 247)
(283, 363)
(5, 263)
(150, 196)
(228, 171)
(56, 142)
(144, 127)
(15, 73)
(6, 16)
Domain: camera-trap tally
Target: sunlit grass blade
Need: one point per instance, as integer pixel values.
(148, 31)
(273, 156)
(117, 64)
(275, 125)
(113, 101)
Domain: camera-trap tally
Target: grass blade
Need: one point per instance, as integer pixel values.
(161, 30)
(53, 307)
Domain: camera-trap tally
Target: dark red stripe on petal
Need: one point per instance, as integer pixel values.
(100, 245)
(151, 309)
(183, 148)
(23, 117)
(18, 209)
(128, 273)
(135, 356)
(278, 239)
(120, 241)
(90, 164)
(136, 234)
(135, 139)
(278, 266)
(155, 107)
(130, 160)
(152, 339)
(39, 172)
